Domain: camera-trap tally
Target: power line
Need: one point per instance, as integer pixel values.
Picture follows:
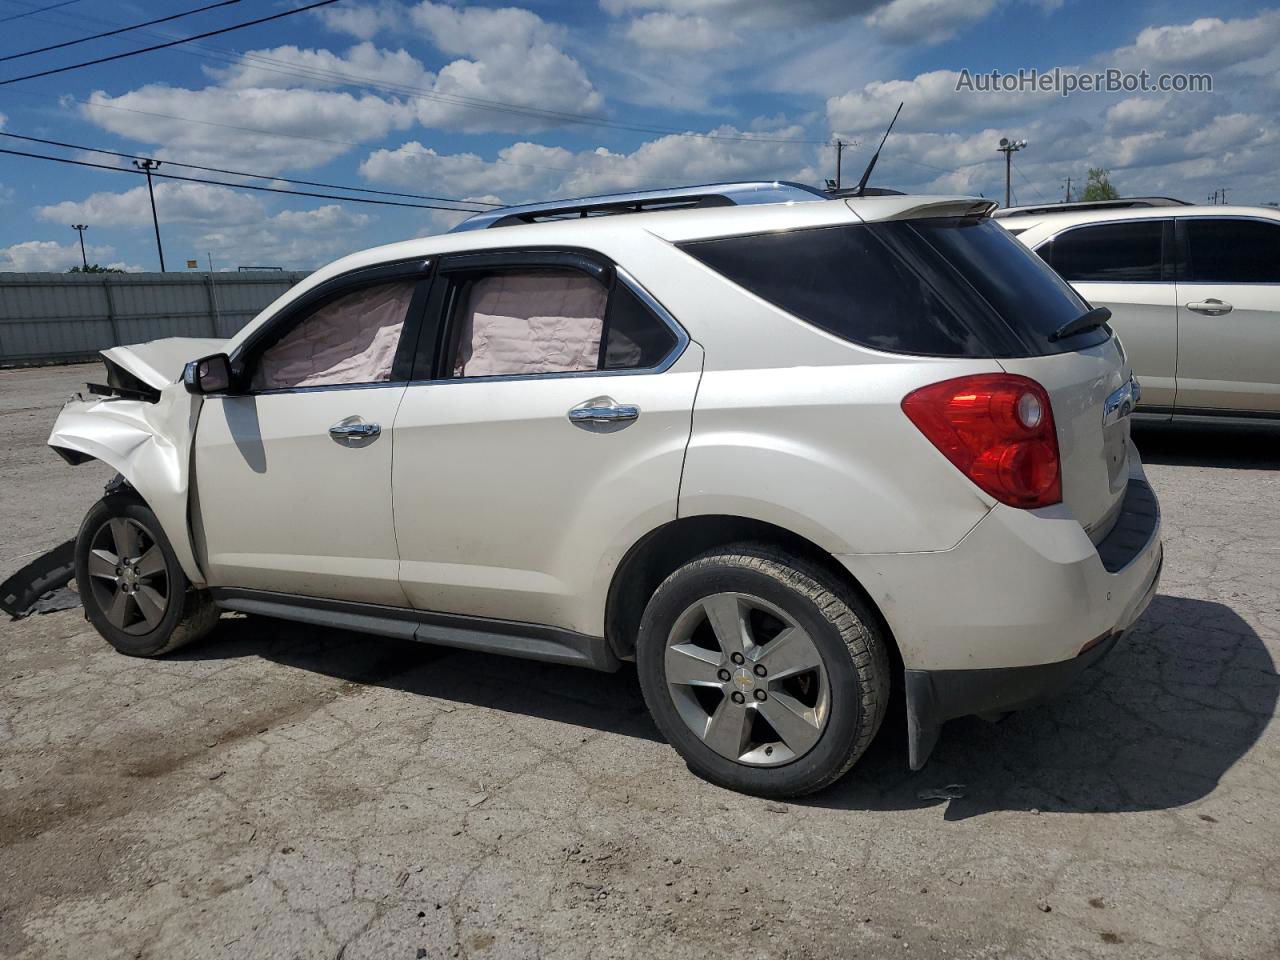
(285, 68)
(241, 173)
(1039, 194)
(52, 6)
(112, 33)
(238, 186)
(171, 43)
(300, 136)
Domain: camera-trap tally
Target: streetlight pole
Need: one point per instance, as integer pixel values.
(80, 228)
(1009, 148)
(146, 166)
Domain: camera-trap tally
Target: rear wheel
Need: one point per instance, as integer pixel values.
(767, 674)
(131, 584)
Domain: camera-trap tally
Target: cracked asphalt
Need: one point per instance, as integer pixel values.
(286, 791)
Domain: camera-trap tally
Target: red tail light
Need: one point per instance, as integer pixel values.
(998, 429)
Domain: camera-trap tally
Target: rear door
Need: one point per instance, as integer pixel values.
(543, 435)
(1229, 316)
(1127, 267)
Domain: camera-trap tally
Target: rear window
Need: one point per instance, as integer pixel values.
(946, 287)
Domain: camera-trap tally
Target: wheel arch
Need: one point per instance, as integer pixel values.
(662, 550)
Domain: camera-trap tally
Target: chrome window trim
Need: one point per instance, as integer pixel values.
(677, 351)
(317, 388)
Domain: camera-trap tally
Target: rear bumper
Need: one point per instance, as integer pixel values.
(1010, 615)
(936, 696)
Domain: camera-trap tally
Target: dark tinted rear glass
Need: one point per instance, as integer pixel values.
(848, 282)
(1127, 252)
(634, 338)
(941, 287)
(1029, 298)
(1233, 251)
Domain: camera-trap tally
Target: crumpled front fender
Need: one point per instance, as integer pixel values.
(149, 444)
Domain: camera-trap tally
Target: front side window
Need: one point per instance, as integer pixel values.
(1232, 251)
(1128, 252)
(524, 322)
(349, 340)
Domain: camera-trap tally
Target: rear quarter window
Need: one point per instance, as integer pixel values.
(946, 287)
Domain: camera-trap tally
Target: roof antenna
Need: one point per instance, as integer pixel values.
(861, 188)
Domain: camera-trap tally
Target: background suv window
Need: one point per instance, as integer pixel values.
(539, 321)
(349, 340)
(1233, 251)
(1129, 252)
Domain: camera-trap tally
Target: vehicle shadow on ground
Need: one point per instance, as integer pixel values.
(1185, 446)
(1155, 725)
(608, 702)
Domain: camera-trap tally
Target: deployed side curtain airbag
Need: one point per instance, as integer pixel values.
(351, 340)
(523, 323)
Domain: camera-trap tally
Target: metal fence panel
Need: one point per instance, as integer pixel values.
(48, 317)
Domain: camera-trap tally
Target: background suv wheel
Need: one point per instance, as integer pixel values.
(131, 584)
(766, 673)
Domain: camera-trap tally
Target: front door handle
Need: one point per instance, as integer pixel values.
(603, 410)
(352, 430)
(1211, 307)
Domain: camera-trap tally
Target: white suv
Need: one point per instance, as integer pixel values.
(782, 451)
(1194, 291)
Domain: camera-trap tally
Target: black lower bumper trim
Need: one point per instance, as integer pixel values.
(936, 696)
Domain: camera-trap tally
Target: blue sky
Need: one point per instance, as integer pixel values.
(549, 99)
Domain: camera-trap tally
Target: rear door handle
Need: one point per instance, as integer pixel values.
(603, 410)
(1211, 307)
(353, 429)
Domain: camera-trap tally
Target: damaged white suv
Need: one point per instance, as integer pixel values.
(782, 451)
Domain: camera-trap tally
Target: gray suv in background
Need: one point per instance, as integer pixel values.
(1194, 293)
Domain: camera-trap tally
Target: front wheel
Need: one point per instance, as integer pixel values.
(131, 584)
(766, 673)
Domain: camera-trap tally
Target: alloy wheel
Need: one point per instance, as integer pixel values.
(128, 575)
(747, 679)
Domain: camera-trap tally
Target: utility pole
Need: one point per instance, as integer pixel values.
(1068, 190)
(1224, 195)
(146, 166)
(840, 145)
(80, 228)
(1009, 148)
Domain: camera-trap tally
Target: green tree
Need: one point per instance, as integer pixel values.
(1098, 186)
(95, 268)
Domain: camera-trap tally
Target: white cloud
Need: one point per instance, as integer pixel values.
(326, 219)
(49, 256)
(533, 171)
(175, 203)
(1204, 44)
(509, 57)
(930, 101)
(660, 30)
(362, 21)
(751, 12)
(288, 67)
(333, 121)
(928, 21)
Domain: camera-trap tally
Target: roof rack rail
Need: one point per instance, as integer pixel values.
(1120, 204)
(675, 198)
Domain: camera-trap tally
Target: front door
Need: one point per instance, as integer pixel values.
(293, 470)
(1229, 317)
(548, 439)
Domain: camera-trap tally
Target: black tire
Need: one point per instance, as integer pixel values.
(844, 631)
(188, 613)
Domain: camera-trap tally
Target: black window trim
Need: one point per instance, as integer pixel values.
(1184, 250)
(436, 328)
(418, 269)
(1169, 253)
